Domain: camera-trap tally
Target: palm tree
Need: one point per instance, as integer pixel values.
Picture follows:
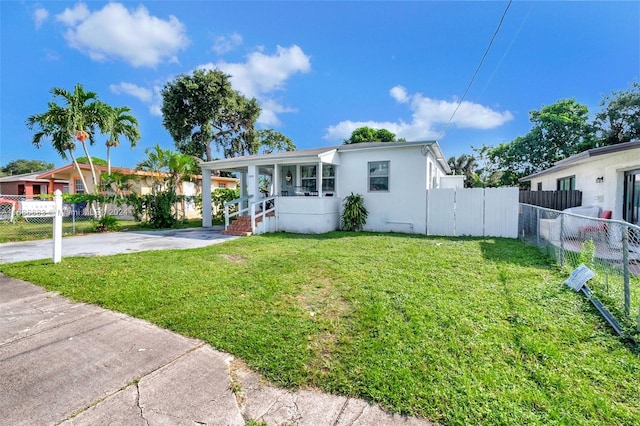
(75, 120)
(463, 165)
(117, 122)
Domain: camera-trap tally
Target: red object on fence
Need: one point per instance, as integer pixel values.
(8, 201)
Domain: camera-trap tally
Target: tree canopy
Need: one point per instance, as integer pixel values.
(202, 108)
(21, 166)
(368, 134)
(619, 121)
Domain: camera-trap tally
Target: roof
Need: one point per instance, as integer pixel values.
(583, 157)
(24, 177)
(315, 153)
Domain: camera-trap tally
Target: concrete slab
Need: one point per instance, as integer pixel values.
(111, 243)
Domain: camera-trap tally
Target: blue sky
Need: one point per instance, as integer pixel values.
(319, 69)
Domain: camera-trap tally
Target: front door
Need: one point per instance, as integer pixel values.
(631, 211)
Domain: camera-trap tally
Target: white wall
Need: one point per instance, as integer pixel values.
(403, 207)
(608, 195)
(308, 215)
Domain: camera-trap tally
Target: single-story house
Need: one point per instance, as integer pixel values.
(143, 184)
(30, 185)
(609, 177)
(304, 189)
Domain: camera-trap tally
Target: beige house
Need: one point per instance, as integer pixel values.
(142, 184)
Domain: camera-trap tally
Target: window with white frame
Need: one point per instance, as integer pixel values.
(222, 185)
(328, 177)
(308, 178)
(378, 176)
(79, 187)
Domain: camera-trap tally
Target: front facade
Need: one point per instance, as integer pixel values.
(307, 186)
(609, 177)
(29, 185)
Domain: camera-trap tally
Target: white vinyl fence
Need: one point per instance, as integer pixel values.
(476, 212)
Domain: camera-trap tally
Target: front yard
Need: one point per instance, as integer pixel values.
(461, 331)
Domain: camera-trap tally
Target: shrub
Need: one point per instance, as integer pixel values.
(354, 215)
(107, 223)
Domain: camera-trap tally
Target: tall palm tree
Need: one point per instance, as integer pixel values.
(117, 122)
(74, 121)
(157, 162)
(463, 165)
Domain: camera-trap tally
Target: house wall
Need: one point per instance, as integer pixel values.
(12, 188)
(308, 215)
(608, 194)
(403, 207)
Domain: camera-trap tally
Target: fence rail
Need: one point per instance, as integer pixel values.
(557, 200)
(611, 248)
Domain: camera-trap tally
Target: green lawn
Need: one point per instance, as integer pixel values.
(461, 331)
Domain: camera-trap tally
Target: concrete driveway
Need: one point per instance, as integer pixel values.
(113, 243)
(78, 364)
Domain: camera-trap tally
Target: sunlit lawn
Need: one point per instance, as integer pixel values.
(461, 331)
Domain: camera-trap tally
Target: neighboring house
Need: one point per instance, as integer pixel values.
(609, 177)
(142, 184)
(29, 184)
(307, 186)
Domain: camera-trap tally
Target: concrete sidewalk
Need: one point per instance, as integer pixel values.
(73, 363)
(105, 244)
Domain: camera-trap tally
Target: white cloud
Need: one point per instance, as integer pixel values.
(224, 44)
(143, 94)
(115, 32)
(71, 17)
(428, 118)
(399, 93)
(262, 75)
(39, 16)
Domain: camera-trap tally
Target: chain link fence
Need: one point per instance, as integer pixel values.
(23, 219)
(610, 248)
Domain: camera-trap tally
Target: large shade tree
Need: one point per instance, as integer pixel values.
(368, 134)
(21, 166)
(619, 120)
(202, 108)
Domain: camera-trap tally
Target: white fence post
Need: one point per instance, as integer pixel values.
(57, 227)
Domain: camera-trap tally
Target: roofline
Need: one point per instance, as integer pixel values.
(315, 153)
(582, 157)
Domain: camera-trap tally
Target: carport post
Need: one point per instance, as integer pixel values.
(57, 227)
(206, 198)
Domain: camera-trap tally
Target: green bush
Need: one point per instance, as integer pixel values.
(107, 223)
(354, 215)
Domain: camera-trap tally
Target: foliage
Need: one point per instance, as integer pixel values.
(268, 141)
(18, 167)
(107, 223)
(157, 209)
(202, 108)
(587, 253)
(619, 121)
(96, 161)
(464, 165)
(354, 213)
(462, 331)
(117, 122)
(219, 196)
(367, 134)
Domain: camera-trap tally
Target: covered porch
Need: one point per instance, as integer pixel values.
(290, 191)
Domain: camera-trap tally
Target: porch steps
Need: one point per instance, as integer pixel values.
(241, 227)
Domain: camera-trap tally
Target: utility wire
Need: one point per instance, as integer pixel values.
(486, 52)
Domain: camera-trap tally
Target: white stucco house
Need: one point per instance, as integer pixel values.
(609, 177)
(302, 191)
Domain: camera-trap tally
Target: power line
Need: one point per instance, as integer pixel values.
(486, 52)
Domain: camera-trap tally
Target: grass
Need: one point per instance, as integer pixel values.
(460, 331)
(41, 228)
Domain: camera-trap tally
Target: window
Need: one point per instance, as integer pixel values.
(539, 186)
(328, 177)
(65, 189)
(308, 179)
(567, 183)
(79, 187)
(378, 176)
(222, 185)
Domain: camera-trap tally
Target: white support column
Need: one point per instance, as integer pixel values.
(319, 179)
(252, 182)
(243, 192)
(57, 227)
(276, 180)
(206, 198)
